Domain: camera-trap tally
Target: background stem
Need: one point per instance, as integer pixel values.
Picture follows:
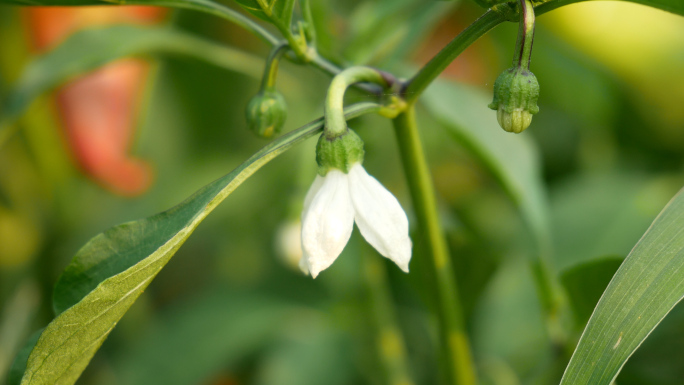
(389, 340)
(461, 370)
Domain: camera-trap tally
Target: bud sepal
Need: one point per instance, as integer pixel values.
(339, 152)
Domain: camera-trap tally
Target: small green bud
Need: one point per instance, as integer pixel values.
(266, 113)
(341, 152)
(515, 99)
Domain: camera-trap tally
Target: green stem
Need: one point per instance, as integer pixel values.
(426, 75)
(390, 342)
(523, 46)
(452, 326)
(305, 6)
(549, 294)
(335, 123)
(268, 81)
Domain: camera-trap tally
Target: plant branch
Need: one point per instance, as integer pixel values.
(452, 327)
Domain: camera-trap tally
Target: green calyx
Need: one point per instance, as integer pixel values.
(516, 92)
(340, 152)
(266, 113)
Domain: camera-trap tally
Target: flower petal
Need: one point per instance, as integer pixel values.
(313, 190)
(328, 222)
(380, 217)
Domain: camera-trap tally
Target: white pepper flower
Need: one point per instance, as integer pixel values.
(344, 193)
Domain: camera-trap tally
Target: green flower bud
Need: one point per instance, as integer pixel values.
(266, 113)
(341, 152)
(515, 99)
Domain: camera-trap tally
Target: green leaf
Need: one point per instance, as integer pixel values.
(277, 11)
(647, 286)
(512, 159)
(586, 282)
(87, 50)
(109, 273)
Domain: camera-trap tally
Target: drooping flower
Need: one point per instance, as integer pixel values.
(344, 193)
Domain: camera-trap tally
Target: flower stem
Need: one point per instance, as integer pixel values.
(271, 68)
(523, 46)
(390, 342)
(335, 123)
(426, 75)
(452, 327)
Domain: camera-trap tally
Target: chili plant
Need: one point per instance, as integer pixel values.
(468, 225)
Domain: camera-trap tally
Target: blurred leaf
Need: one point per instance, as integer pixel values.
(511, 158)
(419, 26)
(379, 29)
(604, 214)
(312, 355)
(19, 365)
(16, 318)
(647, 286)
(674, 6)
(543, 6)
(508, 321)
(89, 49)
(109, 273)
(207, 6)
(278, 11)
(219, 327)
(586, 282)
(474, 263)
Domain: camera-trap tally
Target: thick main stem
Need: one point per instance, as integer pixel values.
(452, 326)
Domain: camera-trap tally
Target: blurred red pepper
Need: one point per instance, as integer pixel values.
(98, 110)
